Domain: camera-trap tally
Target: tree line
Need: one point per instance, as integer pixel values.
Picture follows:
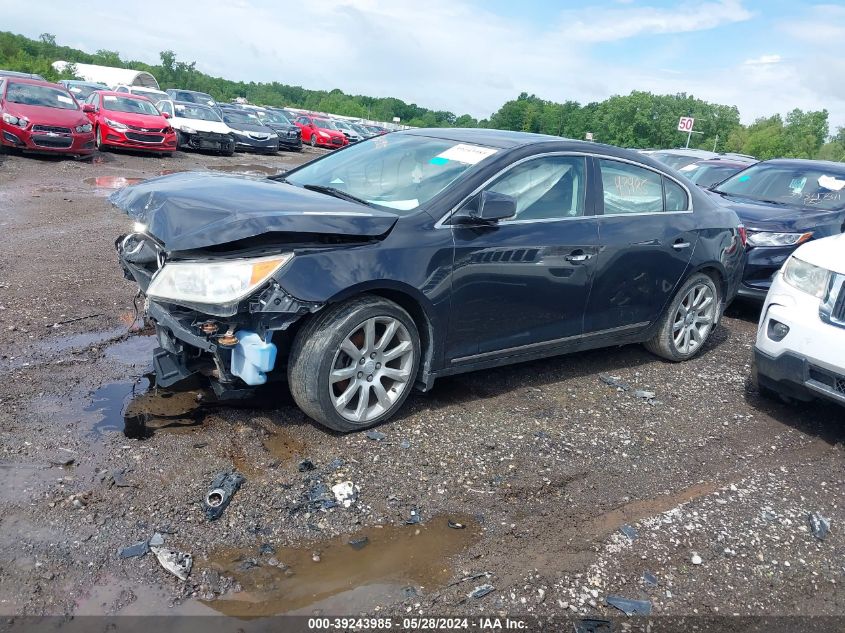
(639, 119)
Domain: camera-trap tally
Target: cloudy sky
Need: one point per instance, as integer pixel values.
(764, 56)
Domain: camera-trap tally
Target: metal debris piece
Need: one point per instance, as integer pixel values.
(131, 551)
(157, 540)
(320, 497)
(414, 518)
(628, 606)
(359, 543)
(336, 463)
(223, 488)
(177, 563)
(378, 436)
(615, 381)
(345, 493)
(819, 525)
(649, 578)
(305, 465)
(483, 574)
(481, 591)
(455, 525)
(645, 395)
(405, 444)
(628, 531)
(119, 478)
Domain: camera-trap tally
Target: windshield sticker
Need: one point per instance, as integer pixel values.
(467, 154)
(109, 98)
(336, 181)
(689, 167)
(75, 89)
(831, 182)
(438, 160)
(744, 178)
(400, 205)
(64, 99)
(797, 184)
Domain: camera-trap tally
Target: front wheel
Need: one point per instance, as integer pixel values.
(313, 140)
(354, 365)
(689, 321)
(99, 140)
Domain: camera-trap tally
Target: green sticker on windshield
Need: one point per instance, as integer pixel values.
(439, 160)
(744, 178)
(797, 184)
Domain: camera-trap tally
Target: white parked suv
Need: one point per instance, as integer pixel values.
(800, 349)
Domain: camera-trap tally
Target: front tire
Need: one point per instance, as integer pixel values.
(99, 140)
(353, 365)
(689, 321)
(313, 140)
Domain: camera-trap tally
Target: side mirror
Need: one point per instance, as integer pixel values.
(88, 107)
(488, 207)
(166, 115)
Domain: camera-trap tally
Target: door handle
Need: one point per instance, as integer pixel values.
(577, 258)
(679, 245)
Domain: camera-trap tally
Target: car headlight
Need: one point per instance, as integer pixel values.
(84, 128)
(805, 277)
(214, 283)
(115, 125)
(189, 130)
(322, 135)
(21, 122)
(765, 238)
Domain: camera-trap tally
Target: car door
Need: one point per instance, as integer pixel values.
(647, 233)
(523, 282)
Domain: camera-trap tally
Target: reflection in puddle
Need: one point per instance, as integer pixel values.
(111, 182)
(139, 408)
(347, 579)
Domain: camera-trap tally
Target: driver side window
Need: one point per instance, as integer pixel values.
(546, 188)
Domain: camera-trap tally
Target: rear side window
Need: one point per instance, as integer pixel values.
(629, 189)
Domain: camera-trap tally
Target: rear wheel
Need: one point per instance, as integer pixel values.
(689, 321)
(354, 365)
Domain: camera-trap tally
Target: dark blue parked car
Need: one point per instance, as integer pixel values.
(422, 254)
(783, 203)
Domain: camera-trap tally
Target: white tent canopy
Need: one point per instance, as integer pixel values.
(110, 76)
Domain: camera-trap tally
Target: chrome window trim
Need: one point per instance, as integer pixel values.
(440, 223)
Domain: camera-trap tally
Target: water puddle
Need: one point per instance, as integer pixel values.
(248, 170)
(107, 184)
(395, 561)
(84, 340)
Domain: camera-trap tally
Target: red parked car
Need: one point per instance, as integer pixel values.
(38, 116)
(129, 121)
(320, 132)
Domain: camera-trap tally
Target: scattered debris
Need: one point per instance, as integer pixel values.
(696, 559)
(615, 381)
(405, 444)
(131, 551)
(628, 606)
(118, 478)
(320, 497)
(819, 525)
(336, 463)
(74, 320)
(223, 488)
(157, 540)
(628, 531)
(648, 396)
(359, 543)
(456, 526)
(61, 460)
(414, 518)
(305, 465)
(593, 625)
(649, 578)
(378, 436)
(177, 563)
(266, 548)
(315, 557)
(409, 592)
(481, 591)
(483, 574)
(345, 493)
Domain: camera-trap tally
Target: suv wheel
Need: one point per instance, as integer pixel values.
(689, 321)
(353, 365)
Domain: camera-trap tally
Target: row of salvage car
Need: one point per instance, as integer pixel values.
(77, 118)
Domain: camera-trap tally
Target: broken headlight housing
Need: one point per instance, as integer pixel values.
(805, 277)
(218, 285)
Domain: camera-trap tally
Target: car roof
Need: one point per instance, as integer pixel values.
(21, 75)
(127, 95)
(731, 162)
(34, 82)
(505, 139)
(79, 82)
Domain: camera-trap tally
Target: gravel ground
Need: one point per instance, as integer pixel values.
(569, 489)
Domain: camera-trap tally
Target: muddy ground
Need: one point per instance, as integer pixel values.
(569, 490)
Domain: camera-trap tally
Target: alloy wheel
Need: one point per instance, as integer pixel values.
(694, 318)
(371, 369)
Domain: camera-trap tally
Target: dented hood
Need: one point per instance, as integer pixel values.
(195, 210)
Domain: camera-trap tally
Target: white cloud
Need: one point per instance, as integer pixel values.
(763, 59)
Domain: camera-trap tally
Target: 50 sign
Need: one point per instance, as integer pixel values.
(685, 124)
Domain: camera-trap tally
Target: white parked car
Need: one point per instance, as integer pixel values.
(800, 349)
(150, 93)
(198, 127)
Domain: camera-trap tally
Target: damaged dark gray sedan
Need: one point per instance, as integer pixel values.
(421, 254)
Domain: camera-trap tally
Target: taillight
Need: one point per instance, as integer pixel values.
(743, 235)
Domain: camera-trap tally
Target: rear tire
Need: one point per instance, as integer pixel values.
(689, 321)
(353, 365)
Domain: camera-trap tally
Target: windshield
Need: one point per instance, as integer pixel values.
(399, 172)
(197, 111)
(33, 95)
(707, 175)
(128, 104)
(150, 94)
(810, 187)
(324, 123)
(83, 91)
(274, 117)
(240, 117)
(675, 161)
